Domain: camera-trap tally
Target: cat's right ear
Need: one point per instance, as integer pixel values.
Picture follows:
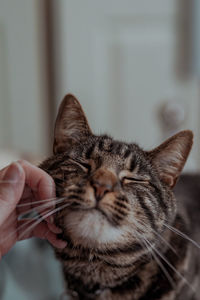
(71, 125)
(170, 157)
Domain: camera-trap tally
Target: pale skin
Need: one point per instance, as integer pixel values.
(22, 183)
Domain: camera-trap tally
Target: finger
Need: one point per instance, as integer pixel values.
(9, 222)
(41, 184)
(44, 233)
(52, 238)
(26, 228)
(2, 172)
(41, 231)
(29, 204)
(25, 201)
(54, 228)
(38, 180)
(11, 189)
(8, 234)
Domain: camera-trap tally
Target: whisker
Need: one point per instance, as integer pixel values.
(172, 267)
(151, 248)
(139, 225)
(29, 221)
(168, 276)
(162, 238)
(183, 235)
(37, 202)
(42, 218)
(40, 207)
(165, 241)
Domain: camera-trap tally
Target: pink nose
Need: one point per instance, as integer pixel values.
(103, 182)
(101, 189)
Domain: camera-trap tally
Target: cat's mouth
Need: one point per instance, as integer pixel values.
(96, 208)
(112, 208)
(92, 225)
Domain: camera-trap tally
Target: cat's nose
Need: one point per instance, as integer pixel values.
(103, 182)
(101, 189)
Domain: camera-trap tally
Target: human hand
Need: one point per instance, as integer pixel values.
(22, 185)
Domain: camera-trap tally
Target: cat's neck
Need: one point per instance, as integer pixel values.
(170, 255)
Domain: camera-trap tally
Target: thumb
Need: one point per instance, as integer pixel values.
(11, 188)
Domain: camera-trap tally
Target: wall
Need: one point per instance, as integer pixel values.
(23, 97)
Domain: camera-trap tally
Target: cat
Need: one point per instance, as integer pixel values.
(120, 218)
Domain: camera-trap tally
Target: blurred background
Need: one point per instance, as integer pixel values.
(133, 64)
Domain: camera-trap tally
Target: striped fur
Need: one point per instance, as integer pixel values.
(120, 198)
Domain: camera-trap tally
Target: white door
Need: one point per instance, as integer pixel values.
(23, 103)
(122, 60)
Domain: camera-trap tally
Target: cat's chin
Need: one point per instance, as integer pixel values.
(91, 226)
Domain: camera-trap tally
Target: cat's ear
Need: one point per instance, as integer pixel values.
(71, 125)
(170, 157)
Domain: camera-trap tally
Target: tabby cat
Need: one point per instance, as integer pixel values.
(126, 234)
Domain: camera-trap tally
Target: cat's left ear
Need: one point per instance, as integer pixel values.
(170, 157)
(71, 125)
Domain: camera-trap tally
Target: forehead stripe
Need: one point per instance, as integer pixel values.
(89, 151)
(133, 164)
(147, 211)
(118, 149)
(127, 153)
(101, 145)
(157, 192)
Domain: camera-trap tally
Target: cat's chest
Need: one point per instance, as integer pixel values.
(94, 275)
(91, 269)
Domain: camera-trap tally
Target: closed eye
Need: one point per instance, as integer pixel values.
(127, 180)
(84, 166)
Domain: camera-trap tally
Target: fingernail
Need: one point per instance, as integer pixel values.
(54, 228)
(50, 219)
(61, 244)
(13, 172)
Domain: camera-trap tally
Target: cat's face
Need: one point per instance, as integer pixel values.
(117, 193)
